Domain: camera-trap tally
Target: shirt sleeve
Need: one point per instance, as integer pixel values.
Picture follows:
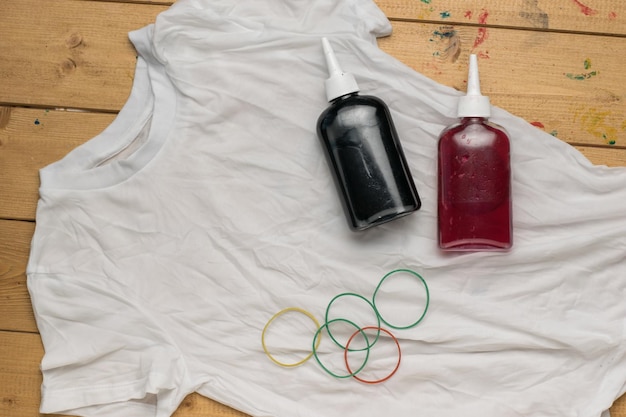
(104, 350)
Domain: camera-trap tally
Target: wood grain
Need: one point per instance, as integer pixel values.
(52, 59)
(16, 313)
(587, 16)
(31, 139)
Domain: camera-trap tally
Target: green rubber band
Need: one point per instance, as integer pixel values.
(328, 371)
(351, 294)
(425, 307)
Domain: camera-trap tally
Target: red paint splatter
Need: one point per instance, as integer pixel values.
(586, 10)
(538, 124)
(482, 32)
(612, 15)
(483, 55)
(468, 14)
(482, 18)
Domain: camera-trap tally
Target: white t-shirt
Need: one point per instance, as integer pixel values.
(165, 244)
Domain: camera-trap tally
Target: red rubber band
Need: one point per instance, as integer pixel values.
(346, 350)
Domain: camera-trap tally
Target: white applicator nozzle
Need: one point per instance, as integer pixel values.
(339, 83)
(474, 104)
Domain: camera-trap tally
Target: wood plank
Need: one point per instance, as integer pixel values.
(589, 16)
(52, 59)
(31, 139)
(604, 156)
(619, 407)
(15, 307)
(567, 83)
(21, 353)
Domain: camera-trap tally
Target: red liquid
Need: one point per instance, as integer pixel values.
(474, 187)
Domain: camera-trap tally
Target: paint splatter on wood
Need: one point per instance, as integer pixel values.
(444, 15)
(482, 35)
(586, 10)
(581, 77)
(468, 14)
(538, 124)
(444, 32)
(447, 42)
(598, 123)
(584, 75)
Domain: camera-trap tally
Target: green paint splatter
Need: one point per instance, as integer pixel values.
(583, 76)
(554, 133)
(444, 15)
(610, 142)
(426, 1)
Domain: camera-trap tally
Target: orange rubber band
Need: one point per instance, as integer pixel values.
(346, 350)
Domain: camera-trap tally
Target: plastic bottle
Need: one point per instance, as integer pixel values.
(364, 152)
(474, 177)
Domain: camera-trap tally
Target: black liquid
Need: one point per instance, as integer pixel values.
(366, 158)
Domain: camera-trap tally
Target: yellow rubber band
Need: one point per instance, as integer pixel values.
(274, 317)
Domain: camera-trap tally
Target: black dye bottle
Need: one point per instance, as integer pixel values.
(364, 152)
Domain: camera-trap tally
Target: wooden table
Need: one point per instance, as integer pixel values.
(66, 68)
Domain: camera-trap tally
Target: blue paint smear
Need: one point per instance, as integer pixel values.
(444, 33)
(444, 15)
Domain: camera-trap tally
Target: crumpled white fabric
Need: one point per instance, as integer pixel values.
(164, 245)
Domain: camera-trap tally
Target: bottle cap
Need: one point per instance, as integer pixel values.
(340, 83)
(474, 104)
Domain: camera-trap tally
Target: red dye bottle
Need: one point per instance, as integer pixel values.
(474, 177)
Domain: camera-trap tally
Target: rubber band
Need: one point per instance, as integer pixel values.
(425, 307)
(376, 381)
(346, 294)
(274, 317)
(315, 338)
